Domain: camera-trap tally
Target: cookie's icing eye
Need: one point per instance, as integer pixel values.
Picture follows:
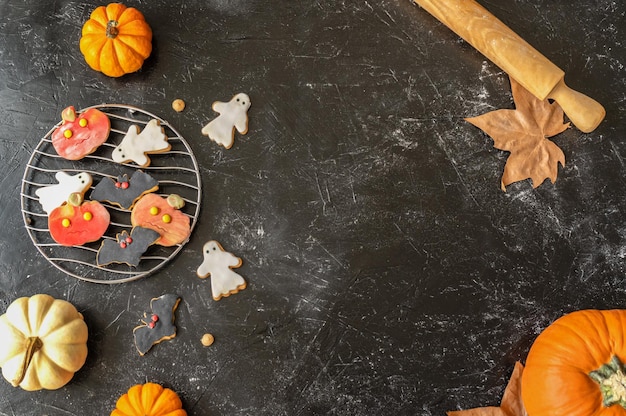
(67, 133)
(66, 223)
(167, 218)
(87, 216)
(154, 211)
(82, 122)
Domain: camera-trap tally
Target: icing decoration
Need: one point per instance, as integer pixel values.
(218, 264)
(158, 325)
(80, 135)
(233, 115)
(124, 192)
(127, 248)
(145, 214)
(53, 196)
(78, 222)
(136, 146)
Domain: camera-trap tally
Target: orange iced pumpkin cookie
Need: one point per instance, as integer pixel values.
(162, 215)
(80, 134)
(76, 222)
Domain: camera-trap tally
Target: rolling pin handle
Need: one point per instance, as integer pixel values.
(584, 112)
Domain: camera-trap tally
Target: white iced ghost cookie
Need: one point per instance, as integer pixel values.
(233, 115)
(55, 195)
(136, 146)
(219, 264)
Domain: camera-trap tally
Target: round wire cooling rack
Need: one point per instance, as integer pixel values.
(176, 171)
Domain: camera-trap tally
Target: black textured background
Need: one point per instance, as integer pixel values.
(387, 272)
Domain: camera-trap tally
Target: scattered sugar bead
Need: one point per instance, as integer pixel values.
(87, 216)
(207, 340)
(166, 218)
(82, 122)
(154, 211)
(178, 105)
(67, 134)
(65, 223)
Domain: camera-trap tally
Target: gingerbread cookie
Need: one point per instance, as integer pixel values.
(158, 325)
(136, 145)
(80, 135)
(124, 192)
(126, 248)
(233, 115)
(53, 196)
(218, 264)
(164, 216)
(78, 222)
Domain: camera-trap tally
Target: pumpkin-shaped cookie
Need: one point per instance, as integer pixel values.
(76, 222)
(116, 40)
(149, 399)
(80, 134)
(44, 342)
(162, 215)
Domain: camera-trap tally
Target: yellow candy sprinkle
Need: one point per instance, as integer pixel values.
(67, 134)
(154, 210)
(65, 223)
(87, 216)
(167, 218)
(82, 122)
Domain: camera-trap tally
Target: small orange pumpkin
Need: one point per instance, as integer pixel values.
(575, 368)
(149, 399)
(116, 40)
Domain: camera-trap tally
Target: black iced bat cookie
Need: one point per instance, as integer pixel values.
(158, 325)
(127, 248)
(124, 192)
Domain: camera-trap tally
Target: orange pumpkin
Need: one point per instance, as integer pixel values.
(149, 399)
(116, 40)
(575, 368)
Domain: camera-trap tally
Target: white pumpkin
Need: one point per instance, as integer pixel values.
(43, 342)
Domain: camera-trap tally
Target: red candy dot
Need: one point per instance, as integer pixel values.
(123, 244)
(118, 185)
(124, 185)
(155, 318)
(151, 325)
(129, 240)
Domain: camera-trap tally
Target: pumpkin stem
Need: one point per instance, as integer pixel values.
(75, 199)
(112, 30)
(33, 344)
(612, 380)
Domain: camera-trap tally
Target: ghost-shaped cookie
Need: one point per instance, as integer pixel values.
(53, 196)
(233, 115)
(218, 264)
(136, 145)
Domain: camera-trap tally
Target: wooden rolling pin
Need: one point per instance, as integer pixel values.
(516, 57)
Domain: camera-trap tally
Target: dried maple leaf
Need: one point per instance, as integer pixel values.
(511, 404)
(523, 132)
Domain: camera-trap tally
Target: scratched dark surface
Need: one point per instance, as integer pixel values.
(387, 272)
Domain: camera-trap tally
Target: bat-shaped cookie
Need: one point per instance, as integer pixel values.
(158, 325)
(124, 192)
(127, 248)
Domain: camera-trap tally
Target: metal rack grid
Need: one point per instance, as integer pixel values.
(176, 171)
